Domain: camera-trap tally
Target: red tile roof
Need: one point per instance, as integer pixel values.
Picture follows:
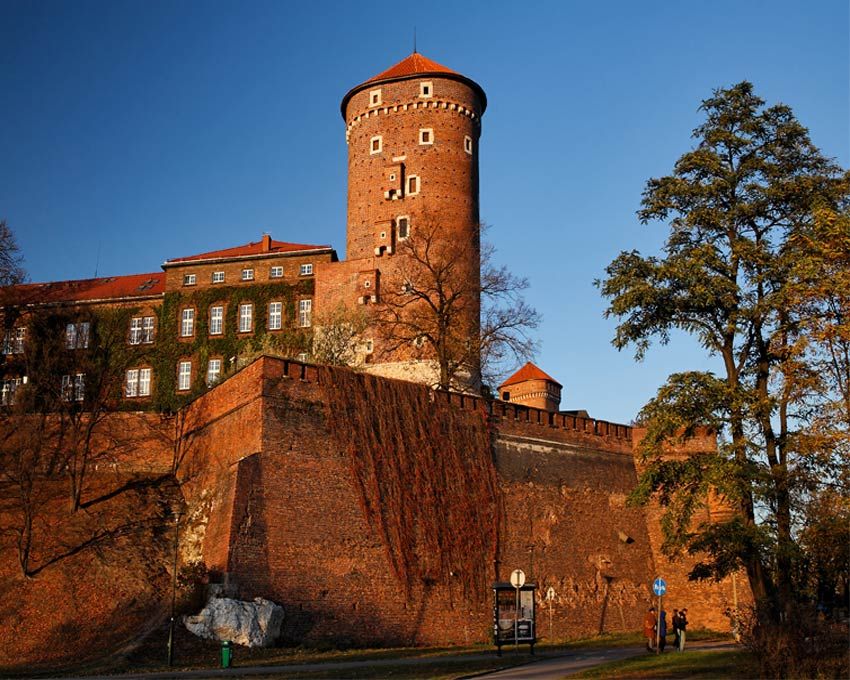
(528, 372)
(413, 65)
(85, 290)
(261, 247)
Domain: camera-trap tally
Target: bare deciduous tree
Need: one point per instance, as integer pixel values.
(436, 303)
(11, 270)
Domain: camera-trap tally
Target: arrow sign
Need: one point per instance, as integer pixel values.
(659, 586)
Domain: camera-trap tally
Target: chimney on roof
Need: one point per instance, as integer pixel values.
(267, 244)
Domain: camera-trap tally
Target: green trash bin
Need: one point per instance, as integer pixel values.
(226, 653)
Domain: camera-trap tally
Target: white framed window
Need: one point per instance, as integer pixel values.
(276, 272)
(138, 383)
(8, 387)
(218, 277)
(426, 89)
(184, 375)
(136, 330)
(375, 98)
(187, 323)
(306, 269)
(216, 320)
(74, 387)
(302, 356)
(305, 313)
(412, 185)
(13, 342)
(189, 279)
(131, 383)
(275, 316)
(144, 382)
(426, 136)
(402, 227)
(77, 335)
(467, 144)
(141, 330)
(247, 274)
(246, 317)
(213, 372)
(147, 330)
(376, 144)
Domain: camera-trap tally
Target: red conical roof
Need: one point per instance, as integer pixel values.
(414, 66)
(528, 372)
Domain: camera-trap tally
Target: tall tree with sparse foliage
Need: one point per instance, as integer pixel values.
(737, 274)
(11, 260)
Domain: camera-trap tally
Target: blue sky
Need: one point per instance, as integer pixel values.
(133, 132)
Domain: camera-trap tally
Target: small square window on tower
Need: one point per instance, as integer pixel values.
(467, 144)
(426, 136)
(426, 89)
(375, 98)
(412, 185)
(402, 227)
(376, 144)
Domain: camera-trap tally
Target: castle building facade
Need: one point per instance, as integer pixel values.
(412, 133)
(377, 511)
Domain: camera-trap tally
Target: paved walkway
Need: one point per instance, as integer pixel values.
(576, 661)
(548, 664)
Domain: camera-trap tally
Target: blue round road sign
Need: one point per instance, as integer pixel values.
(659, 586)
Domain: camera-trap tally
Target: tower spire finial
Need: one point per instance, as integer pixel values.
(414, 40)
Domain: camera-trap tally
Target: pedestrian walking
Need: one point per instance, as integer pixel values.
(675, 623)
(649, 629)
(683, 625)
(662, 632)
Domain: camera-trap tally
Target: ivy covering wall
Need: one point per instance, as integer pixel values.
(234, 348)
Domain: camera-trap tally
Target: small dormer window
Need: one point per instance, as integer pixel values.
(376, 144)
(426, 90)
(426, 136)
(467, 144)
(375, 98)
(189, 279)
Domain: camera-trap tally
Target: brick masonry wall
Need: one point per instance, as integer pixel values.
(297, 534)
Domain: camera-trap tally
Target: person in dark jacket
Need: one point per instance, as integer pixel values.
(675, 623)
(662, 631)
(683, 624)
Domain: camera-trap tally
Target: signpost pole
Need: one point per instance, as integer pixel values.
(658, 628)
(516, 622)
(659, 587)
(517, 581)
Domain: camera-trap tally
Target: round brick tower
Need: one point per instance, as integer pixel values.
(412, 133)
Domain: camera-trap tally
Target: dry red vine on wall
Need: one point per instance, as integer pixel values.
(424, 475)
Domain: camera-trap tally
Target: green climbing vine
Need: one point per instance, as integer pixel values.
(233, 347)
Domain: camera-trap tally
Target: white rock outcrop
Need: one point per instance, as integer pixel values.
(253, 624)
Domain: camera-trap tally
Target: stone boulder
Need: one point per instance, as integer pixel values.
(253, 624)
